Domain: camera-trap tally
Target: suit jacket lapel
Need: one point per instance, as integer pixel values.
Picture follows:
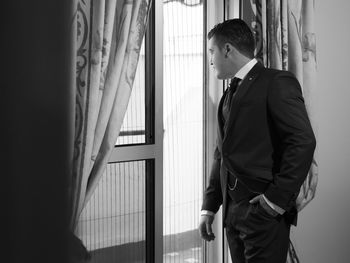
(241, 92)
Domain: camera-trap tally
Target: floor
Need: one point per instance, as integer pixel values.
(192, 255)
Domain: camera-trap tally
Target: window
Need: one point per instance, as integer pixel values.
(155, 175)
(183, 129)
(113, 223)
(117, 224)
(133, 130)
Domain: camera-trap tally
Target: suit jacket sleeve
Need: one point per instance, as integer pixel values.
(290, 120)
(212, 196)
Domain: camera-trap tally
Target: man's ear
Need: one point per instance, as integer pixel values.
(229, 48)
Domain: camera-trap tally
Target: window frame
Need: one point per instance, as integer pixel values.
(152, 149)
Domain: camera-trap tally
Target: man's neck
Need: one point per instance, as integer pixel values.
(238, 63)
(244, 70)
(242, 62)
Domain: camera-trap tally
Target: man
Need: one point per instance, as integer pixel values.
(265, 146)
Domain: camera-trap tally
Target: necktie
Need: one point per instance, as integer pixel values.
(228, 97)
(232, 88)
(233, 85)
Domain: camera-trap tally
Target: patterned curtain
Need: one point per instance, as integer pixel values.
(108, 37)
(285, 36)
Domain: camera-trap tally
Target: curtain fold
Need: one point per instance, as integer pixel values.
(109, 34)
(286, 40)
(285, 36)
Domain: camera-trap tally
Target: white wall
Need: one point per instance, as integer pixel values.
(323, 232)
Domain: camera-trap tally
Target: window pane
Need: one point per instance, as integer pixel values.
(133, 128)
(183, 125)
(113, 223)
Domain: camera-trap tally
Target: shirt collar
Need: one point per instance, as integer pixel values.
(245, 69)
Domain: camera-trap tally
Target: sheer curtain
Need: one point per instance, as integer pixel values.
(109, 34)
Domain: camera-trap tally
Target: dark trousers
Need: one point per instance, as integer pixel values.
(254, 236)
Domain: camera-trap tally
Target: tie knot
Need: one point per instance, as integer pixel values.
(234, 83)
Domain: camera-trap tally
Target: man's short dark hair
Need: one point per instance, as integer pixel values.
(237, 33)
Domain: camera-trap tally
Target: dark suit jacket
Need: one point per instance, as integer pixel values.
(268, 143)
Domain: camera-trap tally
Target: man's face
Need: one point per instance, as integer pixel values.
(217, 59)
